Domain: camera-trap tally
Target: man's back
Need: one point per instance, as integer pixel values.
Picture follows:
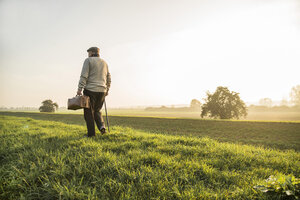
(95, 80)
(95, 75)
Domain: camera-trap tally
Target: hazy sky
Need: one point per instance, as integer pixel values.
(159, 52)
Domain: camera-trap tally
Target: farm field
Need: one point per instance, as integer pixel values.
(252, 114)
(49, 159)
(279, 135)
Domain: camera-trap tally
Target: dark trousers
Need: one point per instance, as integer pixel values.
(93, 113)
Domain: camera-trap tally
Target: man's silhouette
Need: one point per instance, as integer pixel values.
(95, 80)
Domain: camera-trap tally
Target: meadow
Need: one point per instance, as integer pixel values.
(253, 114)
(268, 134)
(44, 156)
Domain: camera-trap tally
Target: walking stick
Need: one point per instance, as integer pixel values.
(106, 115)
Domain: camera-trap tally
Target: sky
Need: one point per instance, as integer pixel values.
(159, 52)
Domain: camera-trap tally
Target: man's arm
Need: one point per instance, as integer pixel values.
(83, 77)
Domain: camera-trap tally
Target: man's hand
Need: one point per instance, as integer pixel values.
(79, 92)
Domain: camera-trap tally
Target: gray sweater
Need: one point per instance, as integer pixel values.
(94, 75)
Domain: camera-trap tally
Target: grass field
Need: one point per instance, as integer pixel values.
(265, 115)
(42, 159)
(252, 114)
(279, 135)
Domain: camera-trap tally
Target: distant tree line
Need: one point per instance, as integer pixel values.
(294, 99)
(3, 108)
(222, 104)
(172, 109)
(280, 108)
(226, 104)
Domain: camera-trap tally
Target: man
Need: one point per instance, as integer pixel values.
(95, 80)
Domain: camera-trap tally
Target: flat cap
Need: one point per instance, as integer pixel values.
(94, 49)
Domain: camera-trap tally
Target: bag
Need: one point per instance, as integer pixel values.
(79, 102)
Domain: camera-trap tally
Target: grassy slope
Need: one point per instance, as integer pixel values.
(282, 135)
(51, 160)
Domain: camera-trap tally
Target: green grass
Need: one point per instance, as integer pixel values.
(51, 160)
(279, 135)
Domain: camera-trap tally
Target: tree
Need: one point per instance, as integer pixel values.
(195, 104)
(295, 95)
(266, 102)
(284, 102)
(224, 104)
(48, 106)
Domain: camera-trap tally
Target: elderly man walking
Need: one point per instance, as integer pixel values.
(95, 80)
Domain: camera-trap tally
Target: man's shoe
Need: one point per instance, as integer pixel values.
(102, 130)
